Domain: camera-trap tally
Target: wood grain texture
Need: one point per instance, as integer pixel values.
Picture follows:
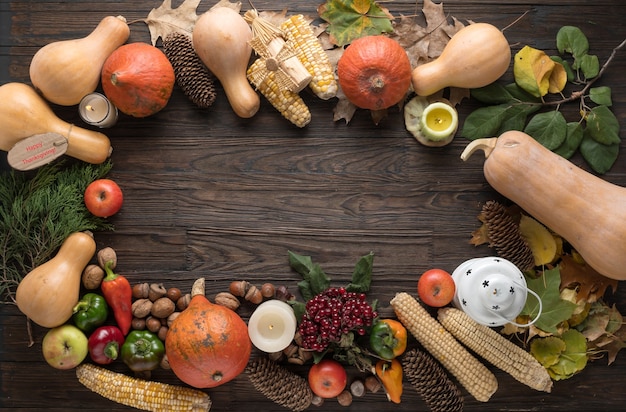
(210, 194)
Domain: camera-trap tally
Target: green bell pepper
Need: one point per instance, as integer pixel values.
(90, 312)
(142, 351)
(388, 338)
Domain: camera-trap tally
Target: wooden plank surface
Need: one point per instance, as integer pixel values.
(210, 194)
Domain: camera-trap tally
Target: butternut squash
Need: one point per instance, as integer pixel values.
(66, 71)
(48, 293)
(221, 39)
(579, 206)
(477, 55)
(24, 113)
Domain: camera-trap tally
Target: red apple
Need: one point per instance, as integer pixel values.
(103, 198)
(328, 378)
(436, 288)
(64, 347)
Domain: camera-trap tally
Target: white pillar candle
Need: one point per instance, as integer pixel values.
(95, 109)
(272, 326)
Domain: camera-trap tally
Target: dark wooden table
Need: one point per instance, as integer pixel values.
(210, 194)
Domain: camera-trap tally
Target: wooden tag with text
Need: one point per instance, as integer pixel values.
(36, 150)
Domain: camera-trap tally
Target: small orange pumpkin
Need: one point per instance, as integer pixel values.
(207, 345)
(374, 72)
(138, 79)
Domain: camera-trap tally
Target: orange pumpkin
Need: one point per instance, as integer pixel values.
(207, 345)
(138, 79)
(374, 72)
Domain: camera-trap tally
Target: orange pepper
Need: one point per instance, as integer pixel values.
(388, 338)
(390, 374)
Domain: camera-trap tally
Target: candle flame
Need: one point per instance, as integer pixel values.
(270, 327)
(89, 107)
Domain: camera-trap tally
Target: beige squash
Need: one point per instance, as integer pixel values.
(221, 39)
(66, 71)
(477, 55)
(24, 113)
(48, 293)
(582, 208)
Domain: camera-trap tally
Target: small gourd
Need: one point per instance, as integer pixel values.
(374, 72)
(25, 113)
(66, 71)
(579, 206)
(48, 293)
(138, 79)
(207, 345)
(477, 55)
(221, 38)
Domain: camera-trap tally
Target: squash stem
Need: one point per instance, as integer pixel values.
(198, 287)
(486, 145)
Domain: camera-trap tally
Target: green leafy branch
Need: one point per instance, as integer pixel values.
(517, 106)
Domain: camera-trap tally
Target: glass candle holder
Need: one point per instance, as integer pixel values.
(95, 109)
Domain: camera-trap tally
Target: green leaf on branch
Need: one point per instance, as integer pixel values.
(484, 121)
(314, 279)
(572, 140)
(572, 40)
(590, 66)
(351, 19)
(362, 275)
(548, 128)
(601, 95)
(495, 93)
(599, 156)
(603, 126)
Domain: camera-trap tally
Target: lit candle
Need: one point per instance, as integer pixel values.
(439, 121)
(272, 326)
(96, 110)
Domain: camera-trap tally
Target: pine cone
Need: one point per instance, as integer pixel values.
(505, 237)
(279, 384)
(193, 77)
(430, 380)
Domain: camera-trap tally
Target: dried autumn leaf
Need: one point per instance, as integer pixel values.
(164, 20)
(540, 240)
(351, 19)
(590, 284)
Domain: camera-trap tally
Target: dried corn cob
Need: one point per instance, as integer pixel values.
(279, 384)
(288, 103)
(430, 380)
(312, 55)
(496, 349)
(469, 371)
(141, 394)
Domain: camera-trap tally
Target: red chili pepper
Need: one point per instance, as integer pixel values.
(105, 344)
(119, 295)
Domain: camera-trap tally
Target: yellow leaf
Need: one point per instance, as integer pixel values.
(558, 78)
(532, 69)
(539, 239)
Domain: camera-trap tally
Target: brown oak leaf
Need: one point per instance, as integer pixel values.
(591, 285)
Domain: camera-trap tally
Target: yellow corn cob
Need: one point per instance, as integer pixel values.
(288, 103)
(141, 394)
(469, 371)
(496, 349)
(310, 52)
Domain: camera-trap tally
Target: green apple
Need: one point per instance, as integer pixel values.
(65, 347)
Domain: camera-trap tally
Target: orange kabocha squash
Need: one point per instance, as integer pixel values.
(207, 345)
(138, 79)
(374, 72)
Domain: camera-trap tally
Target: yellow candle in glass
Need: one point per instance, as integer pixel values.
(439, 121)
(272, 326)
(95, 109)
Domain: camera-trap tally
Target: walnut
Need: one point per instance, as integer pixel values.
(228, 300)
(142, 308)
(162, 308)
(107, 256)
(92, 277)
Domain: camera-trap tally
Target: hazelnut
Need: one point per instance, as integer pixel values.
(253, 295)
(142, 308)
(228, 300)
(267, 290)
(153, 324)
(107, 256)
(344, 398)
(162, 333)
(239, 288)
(156, 291)
(140, 290)
(183, 302)
(92, 277)
(174, 294)
(162, 308)
(138, 324)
